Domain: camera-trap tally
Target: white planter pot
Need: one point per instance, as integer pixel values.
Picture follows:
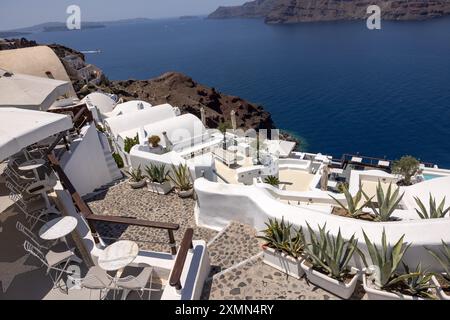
(283, 262)
(439, 291)
(160, 188)
(341, 289)
(186, 194)
(374, 293)
(137, 185)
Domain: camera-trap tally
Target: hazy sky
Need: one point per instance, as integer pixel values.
(24, 13)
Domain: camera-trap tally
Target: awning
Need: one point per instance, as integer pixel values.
(30, 92)
(21, 128)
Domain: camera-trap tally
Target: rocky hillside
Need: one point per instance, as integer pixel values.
(297, 11)
(174, 88)
(182, 91)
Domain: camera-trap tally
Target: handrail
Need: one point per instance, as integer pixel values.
(89, 215)
(221, 177)
(185, 246)
(134, 222)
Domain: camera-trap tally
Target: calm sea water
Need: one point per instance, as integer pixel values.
(339, 86)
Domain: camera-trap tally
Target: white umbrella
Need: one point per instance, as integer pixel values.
(202, 116)
(30, 92)
(21, 128)
(324, 178)
(233, 120)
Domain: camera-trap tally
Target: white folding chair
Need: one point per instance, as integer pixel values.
(31, 216)
(137, 283)
(55, 262)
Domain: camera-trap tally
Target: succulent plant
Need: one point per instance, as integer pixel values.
(387, 202)
(181, 177)
(136, 175)
(272, 180)
(416, 283)
(330, 254)
(352, 208)
(281, 236)
(386, 260)
(157, 173)
(435, 212)
(443, 258)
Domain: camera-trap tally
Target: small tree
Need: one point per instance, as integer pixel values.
(130, 143)
(407, 166)
(223, 127)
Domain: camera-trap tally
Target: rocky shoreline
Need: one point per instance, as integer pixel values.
(300, 11)
(175, 88)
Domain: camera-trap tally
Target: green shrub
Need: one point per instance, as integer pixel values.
(118, 159)
(130, 143)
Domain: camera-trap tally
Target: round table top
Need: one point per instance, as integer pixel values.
(31, 164)
(118, 255)
(58, 228)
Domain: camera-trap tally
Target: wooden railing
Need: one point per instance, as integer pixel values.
(89, 215)
(185, 246)
(80, 114)
(372, 161)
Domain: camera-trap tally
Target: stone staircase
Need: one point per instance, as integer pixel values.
(238, 271)
(114, 171)
(232, 246)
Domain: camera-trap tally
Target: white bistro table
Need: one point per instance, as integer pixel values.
(58, 228)
(40, 186)
(118, 255)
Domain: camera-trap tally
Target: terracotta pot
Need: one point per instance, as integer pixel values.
(136, 185)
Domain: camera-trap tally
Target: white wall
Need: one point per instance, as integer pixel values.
(219, 204)
(85, 165)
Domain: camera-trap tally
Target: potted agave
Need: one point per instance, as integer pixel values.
(442, 281)
(137, 179)
(383, 282)
(283, 247)
(327, 260)
(158, 181)
(181, 177)
(273, 181)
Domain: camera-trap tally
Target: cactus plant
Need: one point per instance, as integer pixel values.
(352, 208)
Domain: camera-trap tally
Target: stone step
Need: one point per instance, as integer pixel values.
(254, 280)
(234, 244)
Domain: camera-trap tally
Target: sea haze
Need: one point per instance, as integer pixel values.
(339, 86)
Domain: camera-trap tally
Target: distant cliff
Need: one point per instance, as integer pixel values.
(297, 11)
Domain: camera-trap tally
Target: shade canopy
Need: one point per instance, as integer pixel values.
(30, 92)
(21, 128)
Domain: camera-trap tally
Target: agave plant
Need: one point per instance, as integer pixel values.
(157, 173)
(136, 175)
(386, 260)
(181, 177)
(416, 283)
(272, 180)
(435, 212)
(352, 208)
(281, 236)
(443, 258)
(387, 202)
(331, 254)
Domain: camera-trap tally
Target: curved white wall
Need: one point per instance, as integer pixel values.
(219, 204)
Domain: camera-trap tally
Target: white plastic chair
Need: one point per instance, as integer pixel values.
(137, 283)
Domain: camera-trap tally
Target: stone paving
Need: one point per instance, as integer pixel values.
(237, 268)
(236, 243)
(254, 280)
(121, 200)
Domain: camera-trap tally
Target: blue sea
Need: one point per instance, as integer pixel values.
(339, 86)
